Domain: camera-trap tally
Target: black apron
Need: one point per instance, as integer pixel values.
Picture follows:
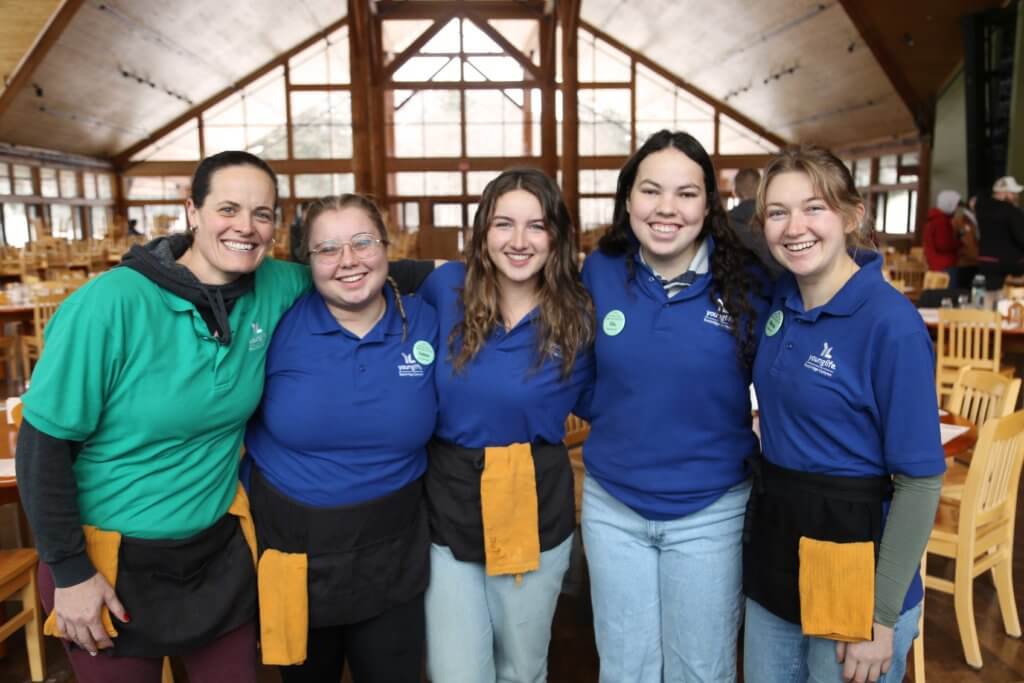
(183, 594)
(363, 559)
(453, 497)
(787, 504)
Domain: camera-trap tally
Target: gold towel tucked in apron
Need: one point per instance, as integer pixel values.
(284, 607)
(508, 504)
(103, 548)
(837, 589)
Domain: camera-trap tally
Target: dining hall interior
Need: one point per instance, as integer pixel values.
(106, 108)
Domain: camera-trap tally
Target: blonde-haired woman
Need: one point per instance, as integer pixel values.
(337, 452)
(519, 327)
(852, 467)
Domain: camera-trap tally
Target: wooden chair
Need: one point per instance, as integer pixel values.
(975, 529)
(966, 337)
(18, 582)
(981, 395)
(576, 432)
(935, 279)
(910, 271)
(32, 344)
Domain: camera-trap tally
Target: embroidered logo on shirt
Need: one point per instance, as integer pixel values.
(774, 324)
(822, 363)
(412, 363)
(719, 318)
(258, 339)
(614, 322)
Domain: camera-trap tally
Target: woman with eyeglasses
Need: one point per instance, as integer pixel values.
(336, 456)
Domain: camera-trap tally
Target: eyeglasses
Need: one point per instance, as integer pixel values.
(364, 246)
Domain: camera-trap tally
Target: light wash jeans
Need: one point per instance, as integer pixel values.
(777, 651)
(667, 595)
(488, 629)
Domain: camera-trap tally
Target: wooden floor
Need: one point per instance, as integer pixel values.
(574, 658)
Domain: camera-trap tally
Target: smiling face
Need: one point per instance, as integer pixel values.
(804, 233)
(667, 206)
(234, 226)
(347, 281)
(518, 242)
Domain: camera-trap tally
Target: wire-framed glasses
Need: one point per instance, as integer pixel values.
(363, 245)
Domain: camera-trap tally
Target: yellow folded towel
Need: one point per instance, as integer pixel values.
(102, 548)
(240, 508)
(837, 589)
(508, 504)
(284, 607)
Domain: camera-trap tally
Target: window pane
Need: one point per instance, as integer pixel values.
(596, 212)
(429, 183)
(311, 185)
(897, 212)
(181, 144)
(738, 139)
(15, 224)
(22, 179)
(48, 182)
(104, 187)
(322, 125)
(68, 184)
(494, 123)
(283, 186)
(477, 180)
(862, 174)
(599, 61)
(61, 223)
(427, 123)
(887, 170)
(447, 215)
(324, 62)
(604, 117)
(598, 181)
(88, 185)
(100, 221)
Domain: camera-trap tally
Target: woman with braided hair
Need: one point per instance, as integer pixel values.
(676, 297)
(336, 456)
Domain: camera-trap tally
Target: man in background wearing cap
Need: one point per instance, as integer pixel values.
(1001, 221)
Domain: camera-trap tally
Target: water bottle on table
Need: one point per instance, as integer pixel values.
(978, 291)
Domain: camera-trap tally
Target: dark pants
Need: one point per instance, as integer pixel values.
(228, 659)
(385, 649)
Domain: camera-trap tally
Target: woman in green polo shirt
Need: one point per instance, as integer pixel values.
(128, 456)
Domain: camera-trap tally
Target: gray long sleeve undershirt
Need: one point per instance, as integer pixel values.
(907, 528)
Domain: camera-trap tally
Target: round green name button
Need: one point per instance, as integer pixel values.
(774, 324)
(423, 352)
(614, 322)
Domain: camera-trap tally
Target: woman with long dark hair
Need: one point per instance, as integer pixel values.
(677, 299)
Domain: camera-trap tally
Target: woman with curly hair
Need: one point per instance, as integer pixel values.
(676, 297)
(519, 328)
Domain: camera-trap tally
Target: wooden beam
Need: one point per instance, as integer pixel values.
(503, 42)
(569, 19)
(432, 9)
(317, 87)
(857, 11)
(683, 85)
(47, 39)
(548, 120)
(362, 91)
(416, 45)
(462, 85)
(924, 187)
(284, 166)
(122, 158)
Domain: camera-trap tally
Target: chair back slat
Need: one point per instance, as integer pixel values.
(965, 338)
(990, 491)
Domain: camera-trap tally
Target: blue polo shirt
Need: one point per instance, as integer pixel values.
(345, 420)
(848, 388)
(670, 411)
(501, 396)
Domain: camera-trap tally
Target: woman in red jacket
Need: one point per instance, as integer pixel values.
(941, 241)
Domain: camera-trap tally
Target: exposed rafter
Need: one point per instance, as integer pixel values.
(504, 44)
(47, 39)
(431, 9)
(923, 114)
(121, 159)
(416, 45)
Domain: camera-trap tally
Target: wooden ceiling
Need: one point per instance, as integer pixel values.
(832, 71)
(123, 68)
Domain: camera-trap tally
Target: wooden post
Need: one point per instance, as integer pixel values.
(548, 120)
(569, 15)
(924, 186)
(362, 87)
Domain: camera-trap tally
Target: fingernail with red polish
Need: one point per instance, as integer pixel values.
(127, 618)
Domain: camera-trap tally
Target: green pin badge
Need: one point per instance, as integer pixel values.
(423, 352)
(614, 322)
(774, 324)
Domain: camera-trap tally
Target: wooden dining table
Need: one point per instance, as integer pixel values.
(959, 448)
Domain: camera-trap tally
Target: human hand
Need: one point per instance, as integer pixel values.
(866, 660)
(79, 609)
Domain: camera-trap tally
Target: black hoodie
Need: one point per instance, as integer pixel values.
(158, 261)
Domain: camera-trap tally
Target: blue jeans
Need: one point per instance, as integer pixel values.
(488, 629)
(666, 595)
(777, 651)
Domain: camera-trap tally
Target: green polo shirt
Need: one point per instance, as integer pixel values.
(132, 371)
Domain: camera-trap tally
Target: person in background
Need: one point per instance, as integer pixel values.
(1001, 221)
(677, 299)
(518, 328)
(966, 225)
(336, 454)
(941, 238)
(845, 496)
(742, 219)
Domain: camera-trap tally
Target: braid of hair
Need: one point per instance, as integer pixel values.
(401, 307)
